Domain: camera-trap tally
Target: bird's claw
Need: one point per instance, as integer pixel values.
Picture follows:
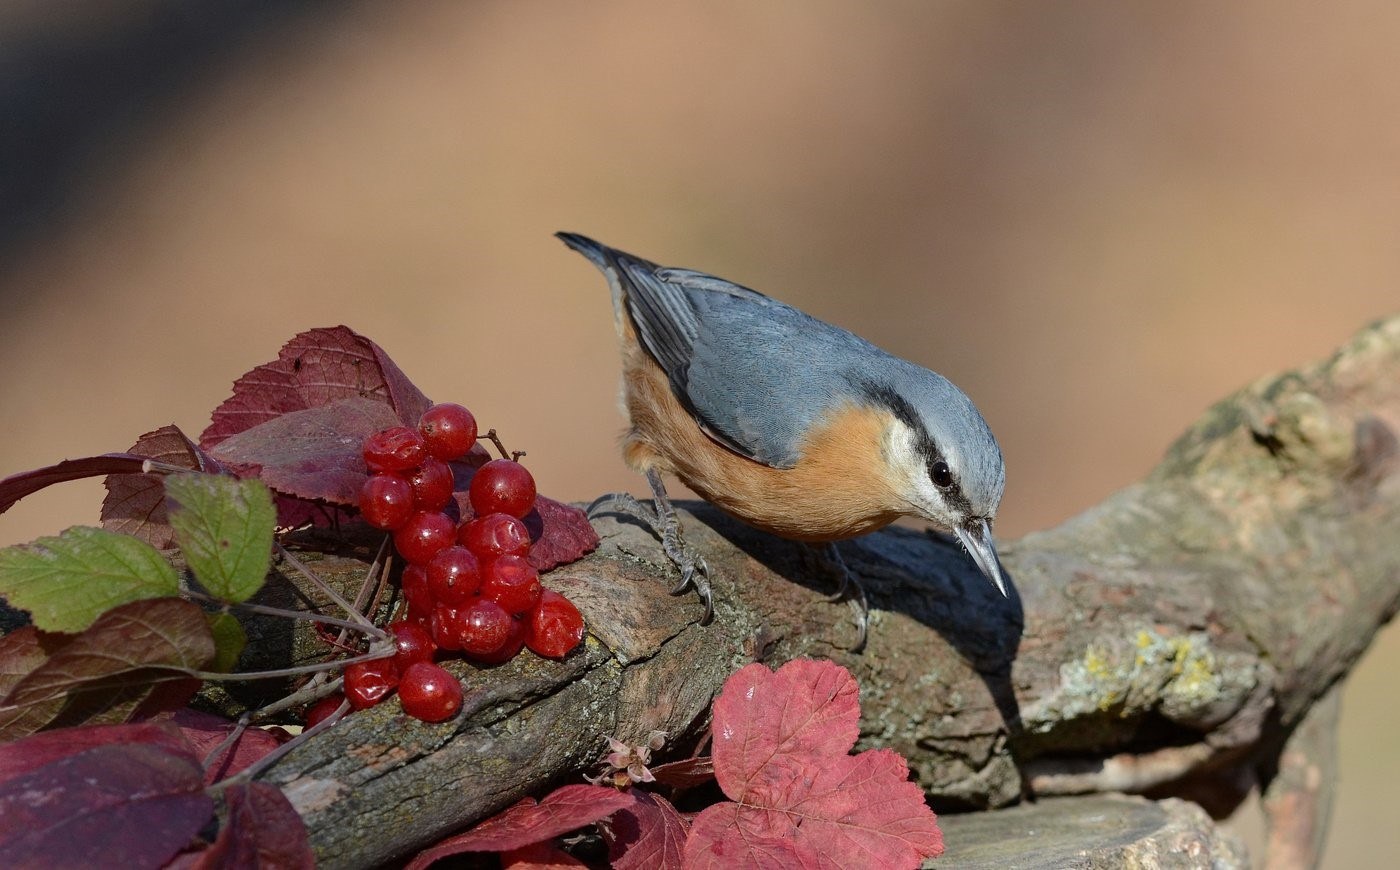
(661, 518)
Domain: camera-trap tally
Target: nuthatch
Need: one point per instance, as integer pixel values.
(790, 424)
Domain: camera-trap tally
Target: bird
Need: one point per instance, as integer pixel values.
(793, 425)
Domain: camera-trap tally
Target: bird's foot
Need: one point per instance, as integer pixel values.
(828, 558)
(661, 518)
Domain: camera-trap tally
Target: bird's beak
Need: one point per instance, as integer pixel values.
(976, 536)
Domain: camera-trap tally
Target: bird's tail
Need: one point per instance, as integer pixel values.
(594, 251)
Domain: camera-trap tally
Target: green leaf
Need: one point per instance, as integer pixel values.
(125, 663)
(66, 582)
(229, 641)
(224, 527)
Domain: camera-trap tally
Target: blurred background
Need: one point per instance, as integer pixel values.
(1097, 218)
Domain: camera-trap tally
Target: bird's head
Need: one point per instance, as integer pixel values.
(943, 459)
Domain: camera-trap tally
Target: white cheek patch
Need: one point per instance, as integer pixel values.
(911, 472)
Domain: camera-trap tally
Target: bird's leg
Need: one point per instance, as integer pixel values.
(830, 558)
(662, 520)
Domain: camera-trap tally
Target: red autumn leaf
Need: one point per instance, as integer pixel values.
(539, 856)
(135, 503)
(562, 810)
(205, 732)
(316, 368)
(781, 753)
(313, 453)
(686, 773)
(30, 753)
(132, 660)
(111, 806)
(649, 835)
(262, 830)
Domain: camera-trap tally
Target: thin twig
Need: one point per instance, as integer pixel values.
(238, 728)
(369, 627)
(314, 690)
(248, 773)
(290, 614)
(380, 649)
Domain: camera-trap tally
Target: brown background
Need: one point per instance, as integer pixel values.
(1096, 217)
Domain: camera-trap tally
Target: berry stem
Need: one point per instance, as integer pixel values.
(496, 440)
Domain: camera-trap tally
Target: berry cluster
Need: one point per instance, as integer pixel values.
(469, 587)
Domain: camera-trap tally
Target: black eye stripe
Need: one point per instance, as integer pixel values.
(883, 395)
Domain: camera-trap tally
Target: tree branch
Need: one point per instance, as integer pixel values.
(1168, 641)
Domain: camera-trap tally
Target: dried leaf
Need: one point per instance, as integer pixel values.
(313, 453)
(563, 535)
(66, 582)
(649, 835)
(20, 653)
(224, 527)
(30, 753)
(17, 486)
(135, 503)
(316, 368)
(112, 669)
(781, 744)
(686, 773)
(562, 810)
(262, 830)
(111, 806)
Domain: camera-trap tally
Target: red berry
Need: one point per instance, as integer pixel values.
(486, 627)
(432, 485)
(513, 583)
(446, 625)
(424, 535)
(449, 430)
(322, 710)
(507, 652)
(413, 643)
(555, 626)
(368, 683)
(430, 693)
(495, 535)
(397, 448)
(386, 501)
(502, 486)
(415, 591)
(454, 575)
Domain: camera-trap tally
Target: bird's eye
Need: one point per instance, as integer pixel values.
(941, 474)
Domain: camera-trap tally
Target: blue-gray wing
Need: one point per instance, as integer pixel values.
(755, 373)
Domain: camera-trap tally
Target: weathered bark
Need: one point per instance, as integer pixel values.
(1167, 642)
(1099, 832)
